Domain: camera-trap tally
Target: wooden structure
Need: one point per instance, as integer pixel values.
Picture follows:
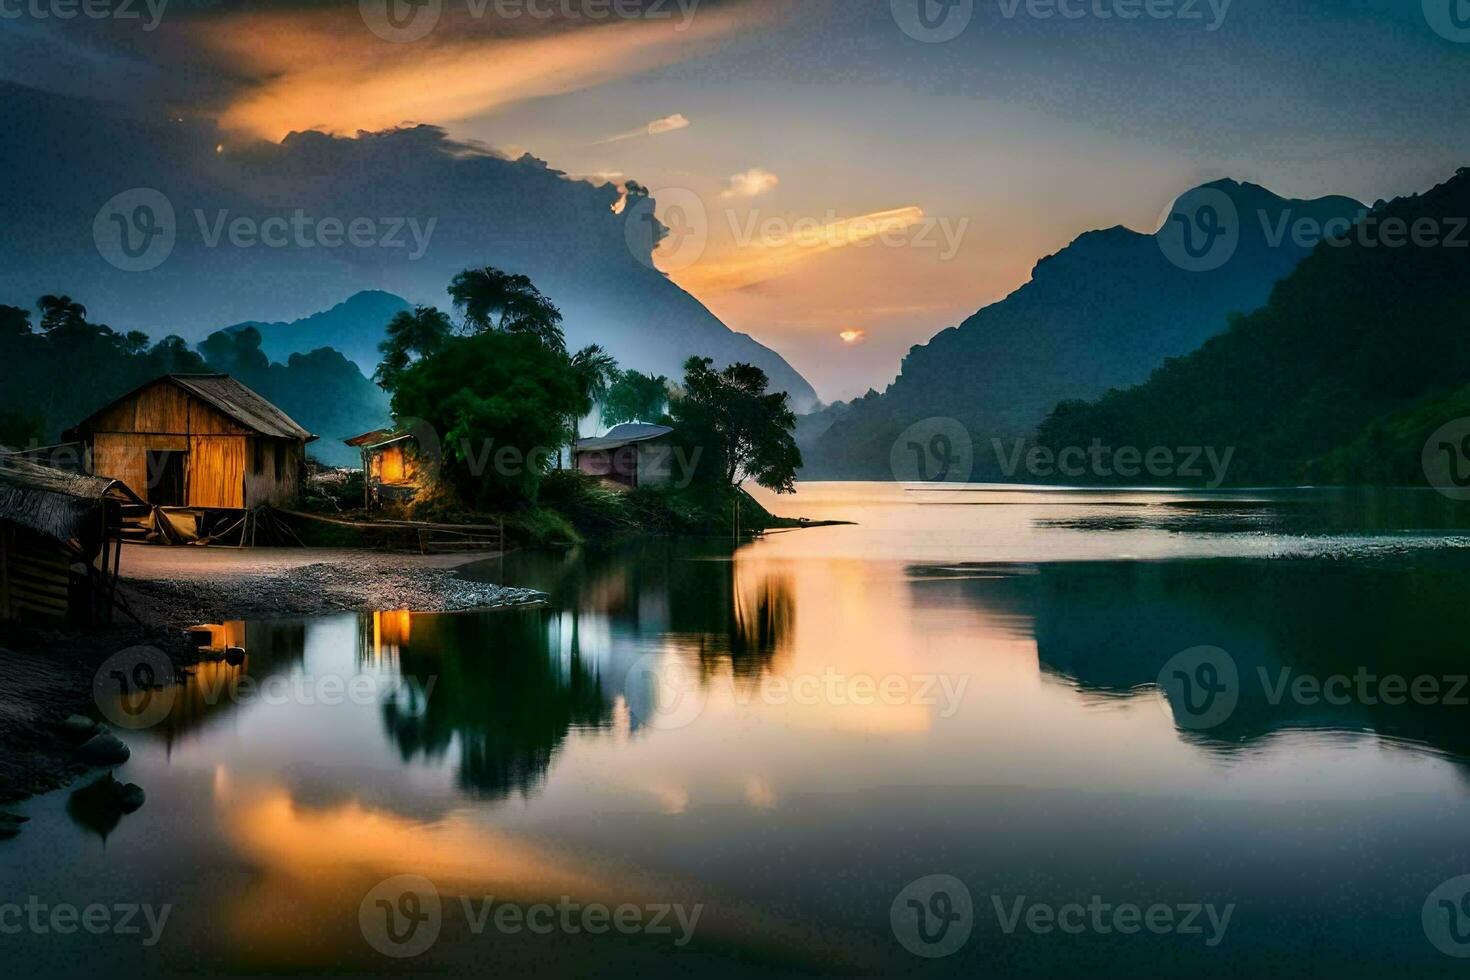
(200, 441)
(633, 454)
(54, 528)
(390, 465)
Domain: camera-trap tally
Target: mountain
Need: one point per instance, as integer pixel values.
(322, 389)
(1102, 312)
(353, 327)
(174, 226)
(1360, 356)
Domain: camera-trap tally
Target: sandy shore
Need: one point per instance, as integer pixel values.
(48, 674)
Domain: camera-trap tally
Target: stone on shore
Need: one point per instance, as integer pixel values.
(104, 749)
(77, 728)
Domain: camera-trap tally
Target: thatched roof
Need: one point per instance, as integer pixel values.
(56, 503)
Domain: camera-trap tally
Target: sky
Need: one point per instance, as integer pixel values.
(843, 180)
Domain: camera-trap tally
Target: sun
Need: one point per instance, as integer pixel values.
(853, 337)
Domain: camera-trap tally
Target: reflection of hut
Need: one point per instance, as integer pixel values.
(54, 526)
(634, 454)
(390, 467)
(198, 441)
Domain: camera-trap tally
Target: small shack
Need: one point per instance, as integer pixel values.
(200, 441)
(54, 527)
(634, 454)
(390, 465)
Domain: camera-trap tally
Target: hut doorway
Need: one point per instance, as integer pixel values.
(166, 478)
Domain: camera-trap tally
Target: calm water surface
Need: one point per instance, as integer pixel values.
(1002, 686)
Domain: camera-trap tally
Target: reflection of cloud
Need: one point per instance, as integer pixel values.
(309, 74)
(667, 124)
(751, 183)
(767, 258)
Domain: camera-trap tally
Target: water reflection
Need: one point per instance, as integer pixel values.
(1315, 645)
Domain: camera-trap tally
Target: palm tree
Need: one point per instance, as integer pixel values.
(421, 333)
(492, 300)
(595, 371)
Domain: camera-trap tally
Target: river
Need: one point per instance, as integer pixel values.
(982, 731)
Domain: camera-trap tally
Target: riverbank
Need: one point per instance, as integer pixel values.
(49, 674)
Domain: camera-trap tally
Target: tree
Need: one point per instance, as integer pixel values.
(744, 431)
(58, 312)
(636, 397)
(593, 371)
(411, 335)
(500, 404)
(492, 300)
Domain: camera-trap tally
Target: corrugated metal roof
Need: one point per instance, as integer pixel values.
(623, 435)
(242, 405)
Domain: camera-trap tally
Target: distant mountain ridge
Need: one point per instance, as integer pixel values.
(1102, 312)
(1360, 357)
(432, 207)
(352, 327)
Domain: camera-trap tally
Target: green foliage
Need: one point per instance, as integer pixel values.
(494, 301)
(594, 370)
(322, 390)
(636, 397)
(55, 377)
(500, 403)
(1315, 384)
(421, 332)
(740, 430)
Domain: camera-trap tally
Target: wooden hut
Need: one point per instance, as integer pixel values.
(634, 454)
(391, 469)
(54, 526)
(200, 441)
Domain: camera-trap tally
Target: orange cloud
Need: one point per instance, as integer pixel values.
(760, 255)
(315, 71)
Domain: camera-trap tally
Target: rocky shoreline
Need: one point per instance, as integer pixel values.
(46, 696)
